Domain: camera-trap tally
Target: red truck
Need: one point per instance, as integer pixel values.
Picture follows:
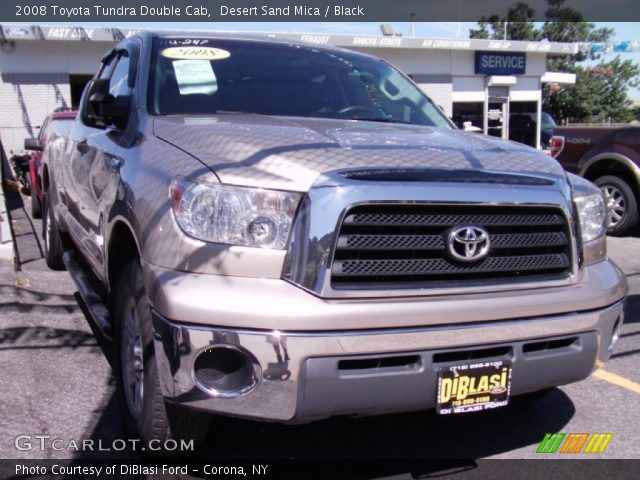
(609, 157)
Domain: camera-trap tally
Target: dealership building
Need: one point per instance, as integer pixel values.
(492, 85)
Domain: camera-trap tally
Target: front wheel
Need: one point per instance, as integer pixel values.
(144, 413)
(622, 206)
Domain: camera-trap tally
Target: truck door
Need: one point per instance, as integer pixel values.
(93, 167)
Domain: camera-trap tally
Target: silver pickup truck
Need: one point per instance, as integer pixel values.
(286, 232)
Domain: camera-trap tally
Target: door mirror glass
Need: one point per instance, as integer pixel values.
(115, 110)
(32, 144)
(108, 100)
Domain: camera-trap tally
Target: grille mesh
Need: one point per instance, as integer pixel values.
(435, 266)
(395, 242)
(386, 244)
(452, 219)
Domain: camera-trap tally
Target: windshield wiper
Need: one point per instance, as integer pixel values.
(232, 112)
(208, 114)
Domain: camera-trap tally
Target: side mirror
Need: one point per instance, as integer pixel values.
(32, 144)
(115, 110)
(109, 110)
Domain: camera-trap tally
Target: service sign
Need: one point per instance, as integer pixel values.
(501, 63)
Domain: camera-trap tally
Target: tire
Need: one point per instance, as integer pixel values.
(36, 208)
(622, 205)
(53, 247)
(144, 414)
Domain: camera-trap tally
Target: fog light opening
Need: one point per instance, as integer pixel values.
(615, 334)
(225, 371)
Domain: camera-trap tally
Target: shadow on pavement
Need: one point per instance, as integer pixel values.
(38, 337)
(28, 244)
(420, 435)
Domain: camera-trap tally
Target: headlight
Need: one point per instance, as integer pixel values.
(593, 213)
(234, 215)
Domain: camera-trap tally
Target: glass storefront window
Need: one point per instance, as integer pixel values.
(468, 112)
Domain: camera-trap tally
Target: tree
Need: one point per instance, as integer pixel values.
(600, 90)
(519, 24)
(600, 93)
(564, 24)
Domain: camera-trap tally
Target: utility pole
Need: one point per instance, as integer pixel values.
(412, 15)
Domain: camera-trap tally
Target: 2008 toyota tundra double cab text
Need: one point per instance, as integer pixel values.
(286, 232)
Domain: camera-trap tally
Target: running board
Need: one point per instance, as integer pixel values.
(99, 312)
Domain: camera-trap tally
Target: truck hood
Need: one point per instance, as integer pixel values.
(290, 153)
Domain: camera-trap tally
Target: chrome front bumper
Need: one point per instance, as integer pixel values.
(299, 376)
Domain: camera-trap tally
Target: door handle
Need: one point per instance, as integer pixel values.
(82, 146)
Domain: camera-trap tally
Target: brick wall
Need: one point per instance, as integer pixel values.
(25, 100)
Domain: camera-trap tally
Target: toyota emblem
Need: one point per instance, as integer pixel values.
(468, 243)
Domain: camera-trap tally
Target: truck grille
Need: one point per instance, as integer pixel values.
(408, 244)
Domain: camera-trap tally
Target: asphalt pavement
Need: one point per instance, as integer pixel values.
(57, 380)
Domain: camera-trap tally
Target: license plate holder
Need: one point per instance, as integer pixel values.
(473, 387)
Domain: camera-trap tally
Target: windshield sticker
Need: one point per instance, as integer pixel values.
(195, 77)
(195, 53)
(186, 41)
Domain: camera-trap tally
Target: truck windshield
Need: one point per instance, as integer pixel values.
(224, 76)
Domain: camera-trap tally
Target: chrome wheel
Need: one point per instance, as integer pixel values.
(132, 359)
(616, 204)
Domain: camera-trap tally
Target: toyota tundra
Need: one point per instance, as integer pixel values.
(287, 232)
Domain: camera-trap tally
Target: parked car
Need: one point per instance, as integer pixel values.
(286, 232)
(609, 157)
(57, 124)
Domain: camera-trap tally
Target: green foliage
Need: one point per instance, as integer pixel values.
(600, 91)
(519, 20)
